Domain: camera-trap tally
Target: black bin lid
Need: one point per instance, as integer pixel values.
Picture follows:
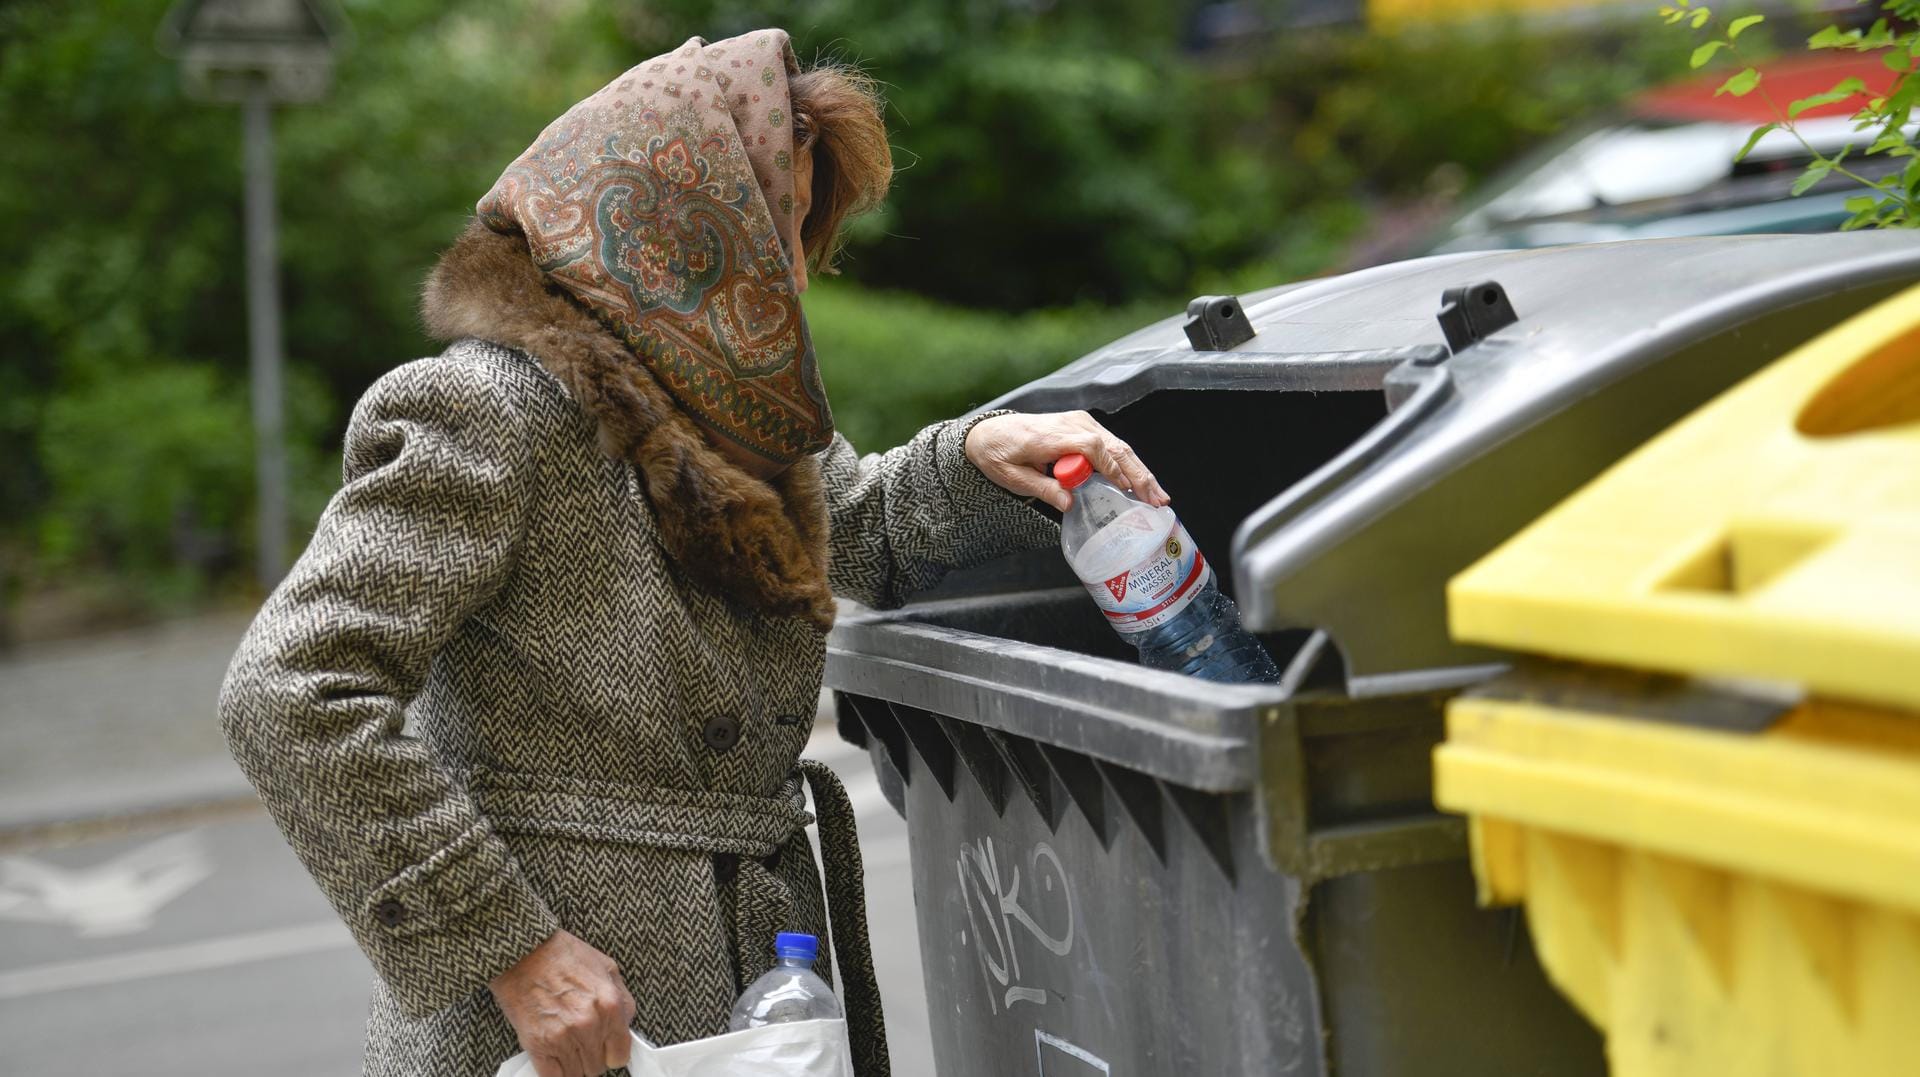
(1613, 342)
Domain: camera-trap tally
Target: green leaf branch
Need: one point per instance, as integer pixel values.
(1895, 198)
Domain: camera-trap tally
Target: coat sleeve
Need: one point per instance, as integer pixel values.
(439, 481)
(903, 518)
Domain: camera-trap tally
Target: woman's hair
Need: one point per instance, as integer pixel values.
(837, 114)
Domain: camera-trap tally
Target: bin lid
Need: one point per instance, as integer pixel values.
(1363, 547)
(1774, 533)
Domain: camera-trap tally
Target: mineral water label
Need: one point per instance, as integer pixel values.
(1154, 591)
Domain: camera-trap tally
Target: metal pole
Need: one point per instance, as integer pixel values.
(263, 337)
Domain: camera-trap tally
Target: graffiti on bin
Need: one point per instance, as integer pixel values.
(1082, 1061)
(995, 907)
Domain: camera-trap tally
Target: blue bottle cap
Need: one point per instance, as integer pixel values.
(796, 944)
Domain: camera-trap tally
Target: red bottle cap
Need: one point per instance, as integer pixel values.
(1072, 470)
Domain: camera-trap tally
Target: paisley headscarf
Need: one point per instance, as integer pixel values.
(664, 204)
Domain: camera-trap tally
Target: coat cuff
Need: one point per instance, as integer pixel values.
(1013, 519)
(445, 927)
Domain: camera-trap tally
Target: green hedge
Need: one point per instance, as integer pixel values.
(894, 362)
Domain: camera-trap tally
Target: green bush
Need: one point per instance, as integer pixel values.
(1054, 157)
(143, 462)
(1381, 113)
(894, 362)
(151, 468)
(1050, 154)
(1057, 154)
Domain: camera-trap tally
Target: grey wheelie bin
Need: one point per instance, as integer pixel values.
(1119, 870)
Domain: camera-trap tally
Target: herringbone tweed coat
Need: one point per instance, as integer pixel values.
(609, 641)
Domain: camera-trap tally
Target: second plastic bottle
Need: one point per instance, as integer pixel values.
(790, 991)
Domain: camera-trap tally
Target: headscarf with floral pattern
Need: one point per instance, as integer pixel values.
(664, 203)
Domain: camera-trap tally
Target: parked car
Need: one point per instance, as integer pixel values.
(1664, 167)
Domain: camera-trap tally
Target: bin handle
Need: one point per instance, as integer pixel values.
(1876, 391)
(1133, 376)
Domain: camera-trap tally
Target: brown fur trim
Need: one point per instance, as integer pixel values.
(762, 543)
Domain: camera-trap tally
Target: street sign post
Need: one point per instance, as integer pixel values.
(258, 53)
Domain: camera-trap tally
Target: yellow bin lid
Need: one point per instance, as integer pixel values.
(1774, 533)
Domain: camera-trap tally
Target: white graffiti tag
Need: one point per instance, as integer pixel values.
(1043, 1040)
(994, 900)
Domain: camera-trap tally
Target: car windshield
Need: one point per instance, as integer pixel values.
(1629, 161)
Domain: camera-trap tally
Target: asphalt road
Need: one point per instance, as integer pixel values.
(118, 722)
(205, 950)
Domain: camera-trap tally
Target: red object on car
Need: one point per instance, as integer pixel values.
(1784, 82)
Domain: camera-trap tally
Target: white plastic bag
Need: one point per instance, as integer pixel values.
(799, 1049)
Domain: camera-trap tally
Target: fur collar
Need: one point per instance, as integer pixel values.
(761, 543)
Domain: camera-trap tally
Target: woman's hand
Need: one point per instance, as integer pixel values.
(1017, 451)
(570, 1008)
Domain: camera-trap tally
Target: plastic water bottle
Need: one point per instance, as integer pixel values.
(1152, 582)
(790, 991)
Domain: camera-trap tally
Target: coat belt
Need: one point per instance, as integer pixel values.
(658, 817)
(706, 821)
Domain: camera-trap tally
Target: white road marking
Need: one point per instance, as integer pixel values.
(118, 897)
(171, 960)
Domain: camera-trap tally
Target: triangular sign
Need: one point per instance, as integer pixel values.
(257, 22)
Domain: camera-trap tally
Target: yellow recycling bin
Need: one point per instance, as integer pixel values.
(1720, 857)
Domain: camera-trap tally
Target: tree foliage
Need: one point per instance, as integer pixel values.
(1054, 158)
(1884, 120)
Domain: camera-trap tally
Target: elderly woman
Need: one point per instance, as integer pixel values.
(591, 551)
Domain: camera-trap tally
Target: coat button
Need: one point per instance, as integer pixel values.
(725, 867)
(390, 912)
(721, 733)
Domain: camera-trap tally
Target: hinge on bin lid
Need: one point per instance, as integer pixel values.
(1216, 323)
(1474, 312)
